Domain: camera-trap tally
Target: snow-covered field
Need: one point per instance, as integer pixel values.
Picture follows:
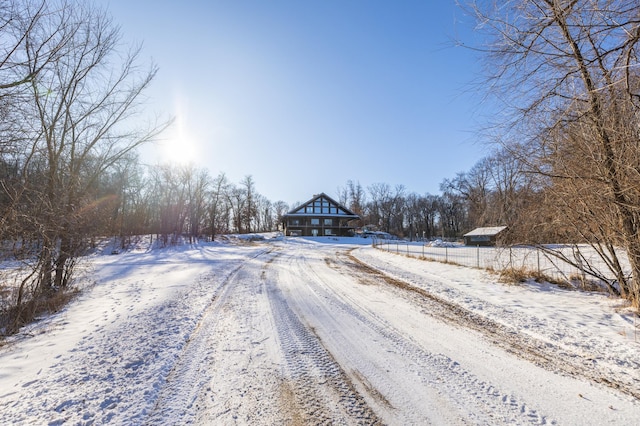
(308, 331)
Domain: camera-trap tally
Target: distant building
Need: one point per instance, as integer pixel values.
(483, 236)
(320, 216)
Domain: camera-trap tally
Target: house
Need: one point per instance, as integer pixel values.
(320, 216)
(483, 236)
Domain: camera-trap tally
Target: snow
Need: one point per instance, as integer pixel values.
(487, 231)
(295, 330)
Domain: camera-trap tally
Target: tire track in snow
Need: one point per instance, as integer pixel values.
(317, 383)
(479, 401)
(190, 373)
(544, 354)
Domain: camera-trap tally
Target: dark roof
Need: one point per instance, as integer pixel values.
(322, 205)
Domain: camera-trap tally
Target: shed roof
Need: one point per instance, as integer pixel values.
(486, 231)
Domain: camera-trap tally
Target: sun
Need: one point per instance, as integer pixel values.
(178, 151)
(178, 146)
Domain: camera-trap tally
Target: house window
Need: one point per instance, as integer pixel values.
(328, 222)
(315, 221)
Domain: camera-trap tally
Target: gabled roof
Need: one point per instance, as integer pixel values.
(322, 205)
(488, 231)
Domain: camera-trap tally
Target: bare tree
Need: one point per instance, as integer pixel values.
(71, 95)
(78, 110)
(264, 220)
(474, 187)
(134, 199)
(422, 211)
(569, 71)
(237, 200)
(280, 208)
(248, 211)
(387, 207)
(197, 187)
(354, 197)
(452, 215)
(218, 206)
(21, 31)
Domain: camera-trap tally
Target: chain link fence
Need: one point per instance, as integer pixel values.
(532, 259)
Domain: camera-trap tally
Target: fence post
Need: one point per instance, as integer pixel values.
(478, 255)
(538, 254)
(510, 258)
(446, 254)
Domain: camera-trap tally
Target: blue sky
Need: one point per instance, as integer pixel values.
(306, 95)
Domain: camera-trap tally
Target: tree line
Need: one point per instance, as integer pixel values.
(566, 167)
(496, 191)
(172, 202)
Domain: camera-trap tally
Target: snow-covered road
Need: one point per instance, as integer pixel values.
(310, 332)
